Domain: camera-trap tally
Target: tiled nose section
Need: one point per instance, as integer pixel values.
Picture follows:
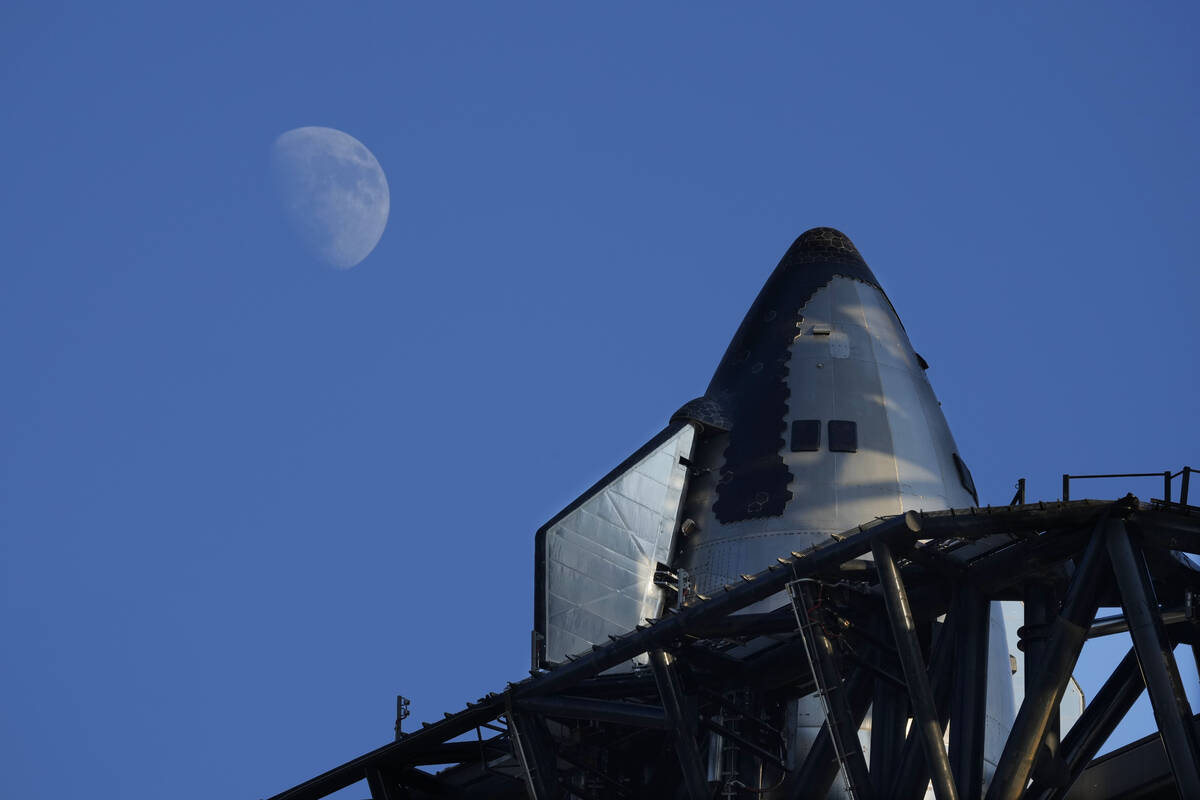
(751, 381)
(824, 244)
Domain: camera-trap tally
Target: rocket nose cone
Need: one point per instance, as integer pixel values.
(824, 244)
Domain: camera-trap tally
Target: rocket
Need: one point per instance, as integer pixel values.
(819, 417)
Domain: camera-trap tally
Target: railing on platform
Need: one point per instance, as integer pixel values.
(1166, 475)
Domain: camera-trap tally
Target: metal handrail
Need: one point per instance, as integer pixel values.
(1166, 475)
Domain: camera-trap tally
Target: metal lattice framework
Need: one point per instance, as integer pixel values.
(903, 633)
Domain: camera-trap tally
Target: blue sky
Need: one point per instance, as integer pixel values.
(246, 499)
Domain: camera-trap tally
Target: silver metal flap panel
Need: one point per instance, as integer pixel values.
(599, 556)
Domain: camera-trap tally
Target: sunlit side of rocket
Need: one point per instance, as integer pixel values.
(829, 420)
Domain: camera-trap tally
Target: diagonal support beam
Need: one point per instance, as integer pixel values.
(913, 777)
(820, 768)
(1067, 635)
(968, 707)
(750, 746)
(1172, 711)
(682, 725)
(534, 749)
(924, 709)
(1095, 725)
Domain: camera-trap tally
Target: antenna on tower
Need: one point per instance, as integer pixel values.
(402, 713)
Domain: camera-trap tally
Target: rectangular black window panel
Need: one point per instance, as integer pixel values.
(843, 436)
(806, 435)
(964, 477)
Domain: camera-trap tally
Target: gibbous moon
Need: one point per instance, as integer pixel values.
(333, 191)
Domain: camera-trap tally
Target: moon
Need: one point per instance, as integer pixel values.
(334, 193)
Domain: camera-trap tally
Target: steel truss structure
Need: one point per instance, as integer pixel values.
(903, 632)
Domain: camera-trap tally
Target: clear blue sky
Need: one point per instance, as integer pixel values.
(246, 499)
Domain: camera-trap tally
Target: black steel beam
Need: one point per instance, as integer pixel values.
(1176, 529)
(780, 621)
(384, 787)
(1067, 636)
(393, 753)
(975, 523)
(566, 707)
(682, 725)
(1172, 711)
(936, 562)
(729, 733)
(968, 706)
(1138, 771)
(427, 785)
(914, 772)
(615, 686)
(829, 683)
(999, 570)
(970, 523)
(820, 768)
(388, 785)
(1107, 626)
(1095, 725)
(889, 718)
(1041, 607)
(454, 752)
(780, 666)
(925, 716)
(883, 675)
(534, 748)
(613, 786)
(964, 523)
